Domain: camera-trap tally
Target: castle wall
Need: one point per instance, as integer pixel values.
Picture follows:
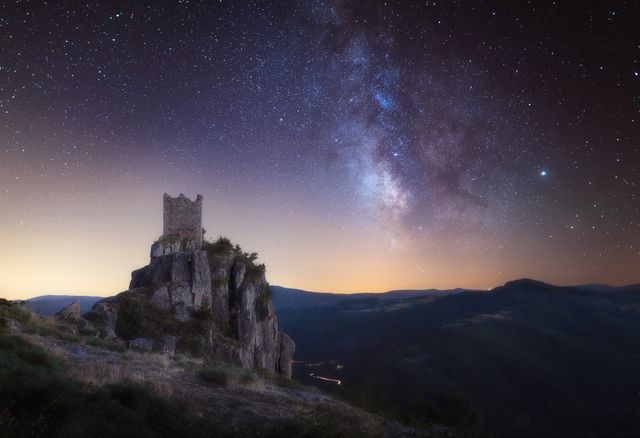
(183, 217)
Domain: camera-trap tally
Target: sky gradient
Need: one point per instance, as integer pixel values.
(356, 146)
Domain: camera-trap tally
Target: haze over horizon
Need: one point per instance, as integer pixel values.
(355, 147)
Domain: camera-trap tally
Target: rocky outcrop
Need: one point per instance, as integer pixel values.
(105, 315)
(142, 344)
(285, 356)
(215, 302)
(178, 280)
(70, 313)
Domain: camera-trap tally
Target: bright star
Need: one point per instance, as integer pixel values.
(543, 173)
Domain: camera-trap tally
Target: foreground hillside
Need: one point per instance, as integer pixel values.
(56, 383)
(526, 359)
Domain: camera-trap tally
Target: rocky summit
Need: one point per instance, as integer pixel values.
(203, 298)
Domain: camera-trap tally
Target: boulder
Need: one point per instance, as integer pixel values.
(70, 313)
(107, 311)
(285, 356)
(142, 344)
(169, 345)
(160, 297)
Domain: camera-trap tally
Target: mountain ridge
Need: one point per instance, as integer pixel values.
(524, 359)
(287, 298)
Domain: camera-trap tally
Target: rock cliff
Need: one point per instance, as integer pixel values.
(70, 313)
(213, 302)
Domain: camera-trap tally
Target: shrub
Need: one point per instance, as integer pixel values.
(13, 311)
(47, 328)
(222, 246)
(255, 272)
(170, 239)
(247, 377)
(139, 318)
(195, 346)
(215, 374)
(94, 317)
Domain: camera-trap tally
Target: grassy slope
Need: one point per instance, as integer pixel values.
(86, 389)
(38, 399)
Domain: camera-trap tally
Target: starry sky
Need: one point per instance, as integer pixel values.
(356, 146)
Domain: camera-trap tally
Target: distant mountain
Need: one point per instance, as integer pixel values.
(50, 304)
(525, 359)
(283, 299)
(606, 287)
(292, 299)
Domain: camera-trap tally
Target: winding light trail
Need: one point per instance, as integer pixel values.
(336, 381)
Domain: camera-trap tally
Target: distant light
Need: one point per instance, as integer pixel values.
(543, 173)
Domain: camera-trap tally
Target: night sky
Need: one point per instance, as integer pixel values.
(356, 146)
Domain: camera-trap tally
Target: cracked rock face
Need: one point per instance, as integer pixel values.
(180, 280)
(215, 301)
(70, 313)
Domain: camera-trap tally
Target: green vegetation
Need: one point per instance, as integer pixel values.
(138, 317)
(169, 240)
(222, 246)
(218, 283)
(222, 374)
(37, 399)
(47, 326)
(215, 374)
(254, 272)
(101, 343)
(247, 377)
(94, 317)
(194, 345)
(10, 310)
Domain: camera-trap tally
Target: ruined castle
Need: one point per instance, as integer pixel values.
(196, 297)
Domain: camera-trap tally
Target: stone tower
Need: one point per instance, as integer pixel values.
(183, 217)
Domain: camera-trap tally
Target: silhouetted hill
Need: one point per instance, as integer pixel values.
(525, 359)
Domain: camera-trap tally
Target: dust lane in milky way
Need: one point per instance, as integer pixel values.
(354, 146)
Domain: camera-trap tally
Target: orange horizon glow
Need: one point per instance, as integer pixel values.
(90, 248)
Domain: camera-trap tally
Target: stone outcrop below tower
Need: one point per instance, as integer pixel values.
(209, 299)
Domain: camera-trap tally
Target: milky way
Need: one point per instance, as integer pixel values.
(354, 145)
